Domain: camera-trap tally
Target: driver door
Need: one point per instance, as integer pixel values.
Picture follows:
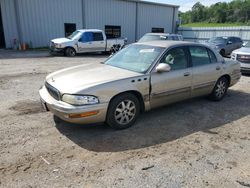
(175, 85)
(85, 42)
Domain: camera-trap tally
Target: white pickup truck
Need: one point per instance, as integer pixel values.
(86, 40)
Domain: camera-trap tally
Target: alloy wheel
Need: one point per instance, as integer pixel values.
(125, 112)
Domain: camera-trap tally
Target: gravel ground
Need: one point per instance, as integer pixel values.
(195, 143)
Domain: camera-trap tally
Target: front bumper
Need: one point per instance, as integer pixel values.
(56, 50)
(245, 68)
(64, 110)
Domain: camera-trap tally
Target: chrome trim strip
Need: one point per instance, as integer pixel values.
(171, 92)
(199, 86)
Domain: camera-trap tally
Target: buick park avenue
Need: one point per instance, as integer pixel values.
(138, 78)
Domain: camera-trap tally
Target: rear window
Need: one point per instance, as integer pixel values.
(199, 56)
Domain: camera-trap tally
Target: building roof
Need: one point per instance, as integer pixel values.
(154, 3)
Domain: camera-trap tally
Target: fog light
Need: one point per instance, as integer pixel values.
(83, 115)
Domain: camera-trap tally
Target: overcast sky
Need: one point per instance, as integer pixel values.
(187, 5)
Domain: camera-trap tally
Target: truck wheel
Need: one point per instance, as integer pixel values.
(70, 52)
(123, 111)
(220, 89)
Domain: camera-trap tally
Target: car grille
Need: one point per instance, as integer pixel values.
(53, 91)
(243, 58)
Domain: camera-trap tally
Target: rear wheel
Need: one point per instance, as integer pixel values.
(123, 111)
(223, 53)
(220, 89)
(70, 52)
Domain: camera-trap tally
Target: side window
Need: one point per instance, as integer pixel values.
(212, 56)
(87, 37)
(175, 37)
(199, 56)
(231, 39)
(176, 58)
(97, 36)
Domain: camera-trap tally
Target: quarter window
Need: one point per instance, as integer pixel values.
(199, 56)
(176, 58)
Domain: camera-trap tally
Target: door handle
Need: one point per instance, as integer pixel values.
(218, 68)
(187, 74)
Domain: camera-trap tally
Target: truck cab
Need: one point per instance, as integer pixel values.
(83, 41)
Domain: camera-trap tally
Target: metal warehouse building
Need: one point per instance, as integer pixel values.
(37, 21)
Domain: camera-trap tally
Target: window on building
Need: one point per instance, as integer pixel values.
(69, 28)
(112, 31)
(97, 36)
(157, 30)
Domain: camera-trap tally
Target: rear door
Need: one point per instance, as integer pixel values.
(99, 43)
(169, 87)
(206, 70)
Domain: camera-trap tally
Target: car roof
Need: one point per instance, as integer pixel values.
(92, 30)
(164, 34)
(168, 43)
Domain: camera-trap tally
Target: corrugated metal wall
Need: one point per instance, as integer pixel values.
(44, 20)
(201, 34)
(39, 21)
(154, 16)
(111, 12)
(9, 21)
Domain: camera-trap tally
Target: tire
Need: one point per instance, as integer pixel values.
(123, 111)
(223, 53)
(220, 89)
(70, 52)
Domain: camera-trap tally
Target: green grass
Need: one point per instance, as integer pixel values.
(203, 24)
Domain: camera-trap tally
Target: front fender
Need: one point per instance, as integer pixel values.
(106, 91)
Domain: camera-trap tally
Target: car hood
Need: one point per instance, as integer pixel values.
(60, 40)
(76, 79)
(242, 50)
(213, 44)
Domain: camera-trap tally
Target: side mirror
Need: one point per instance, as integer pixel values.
(163, 67)
(229, 42)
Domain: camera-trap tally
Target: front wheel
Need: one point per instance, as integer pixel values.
(123, 111)
(220, 89)
(70, 52)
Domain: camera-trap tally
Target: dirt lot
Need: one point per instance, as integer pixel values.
(196, 143)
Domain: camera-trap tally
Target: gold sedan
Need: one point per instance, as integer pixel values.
(140, 77)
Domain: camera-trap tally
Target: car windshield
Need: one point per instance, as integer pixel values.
(220, 40)
(247, 45)
(74, 35)
(137, 58)
(147, 38)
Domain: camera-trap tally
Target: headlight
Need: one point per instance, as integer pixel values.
(233, 56)
(80, 99)
(58, 45)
